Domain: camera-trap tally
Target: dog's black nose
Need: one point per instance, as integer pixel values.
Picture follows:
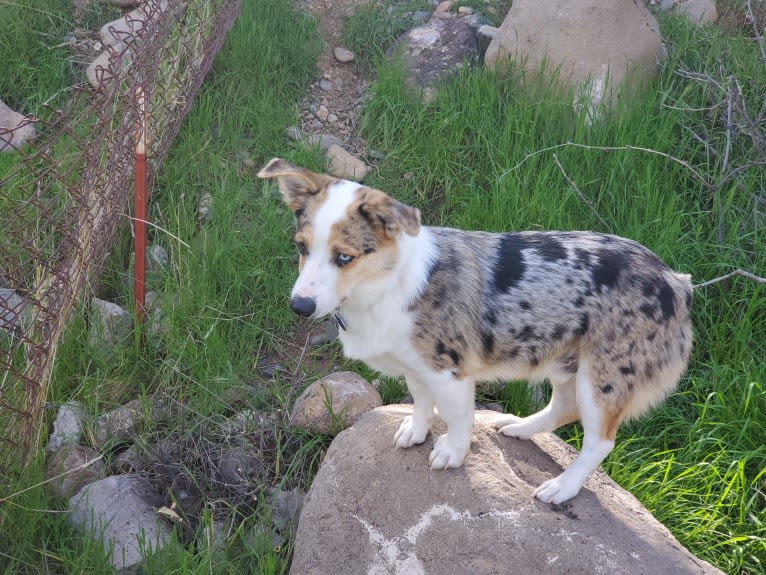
(304, 306)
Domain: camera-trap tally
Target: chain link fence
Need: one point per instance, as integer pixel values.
(68, 194)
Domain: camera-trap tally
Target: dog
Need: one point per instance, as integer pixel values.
(600, 316)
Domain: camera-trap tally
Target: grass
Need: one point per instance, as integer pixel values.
(487, 153)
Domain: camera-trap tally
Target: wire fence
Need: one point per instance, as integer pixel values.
(65, 198)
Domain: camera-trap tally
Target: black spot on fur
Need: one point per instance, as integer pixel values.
(454, 356)
(667, 301)
(648, 310)
(526, 333)
(651, 336)
(649, 370)
(369, 250)
(688, 300)
(630, 386)
(440, 349)
(549, 247)
(607, 388)
(607, 270)
(579, 302)
(569, 280)
(299, 212)
(627, 370)
(488, 343)
(490, 317)
(583, 327)
(509, 266)
(558, 332)
(525, 305)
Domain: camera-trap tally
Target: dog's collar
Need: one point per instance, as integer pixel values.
(340, 323)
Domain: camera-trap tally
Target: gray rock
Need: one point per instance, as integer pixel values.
(343, 55)
(108, 65)
(119, 424)
(125, 28)
(697, 11)
(324, 141)
(15, 130)
(596, 46)
(123, 528)
(484, 35)
(67, 427)
(481, 518)
(285, 507)
(205, 208)
(325, 85)
(294, 133)
(125, 3)
(445, 6)
(110, 326)
(435, 51)
(322, 113)
(346, 394)
(15, 311)
(71, 468)
(342, 164)
(420, 17)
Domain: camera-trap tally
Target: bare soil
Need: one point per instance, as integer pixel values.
(347, 88)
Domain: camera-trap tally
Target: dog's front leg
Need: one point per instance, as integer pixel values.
(415, 427)
(455, 403)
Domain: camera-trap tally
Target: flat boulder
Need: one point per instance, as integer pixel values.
(375, 510)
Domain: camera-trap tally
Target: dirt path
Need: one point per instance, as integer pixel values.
(333, 102)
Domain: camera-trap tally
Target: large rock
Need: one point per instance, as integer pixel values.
(15, 129)
(347, 395)
(435, 51)
(115, 510)
(343, 164)
(595, 45)
(15, 311)
(405, 519)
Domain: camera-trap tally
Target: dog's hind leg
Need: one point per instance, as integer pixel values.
(599, 431)
(415, 427)
(561, 410)
(455, 403)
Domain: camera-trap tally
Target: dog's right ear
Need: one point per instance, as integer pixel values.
(294, 183)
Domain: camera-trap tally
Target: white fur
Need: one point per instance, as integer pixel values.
(318, 277)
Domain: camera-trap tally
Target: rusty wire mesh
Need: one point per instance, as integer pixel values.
(63, 201)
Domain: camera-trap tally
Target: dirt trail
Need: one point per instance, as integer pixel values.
(333, 102)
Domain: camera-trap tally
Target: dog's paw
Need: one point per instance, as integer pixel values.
(557, 490)
(445, 455)
(410, 433)
(505, 420)
(513, 426)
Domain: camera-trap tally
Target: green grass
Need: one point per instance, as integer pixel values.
(487, 153)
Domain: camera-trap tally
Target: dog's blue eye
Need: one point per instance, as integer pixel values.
(343, 260)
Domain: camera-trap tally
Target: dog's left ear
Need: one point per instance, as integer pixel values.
(387, 216)
(294, 183)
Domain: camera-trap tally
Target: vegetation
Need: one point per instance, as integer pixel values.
(668, 168)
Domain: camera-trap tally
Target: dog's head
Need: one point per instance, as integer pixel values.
(347, 235)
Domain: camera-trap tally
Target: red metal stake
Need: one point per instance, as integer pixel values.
(139, 268)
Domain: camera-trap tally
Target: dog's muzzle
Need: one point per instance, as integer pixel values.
(304, 306)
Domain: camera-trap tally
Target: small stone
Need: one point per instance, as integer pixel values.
(316, 123)
(420, 17)
(325, 85)
(157, 259)
(697, 11)
(23, 130)
(465, 11)
(324, 141)
(108, 65)
(15, 310)
(344, 165)
(445, 6)
(332, 118)
(205, 208)
(71, 468)
(343, 55)
(376, 154)
(322, 113)
(67, 427)
(348, 395)
(329, 334)
(294, 133)
(110, 326)
(115, 508)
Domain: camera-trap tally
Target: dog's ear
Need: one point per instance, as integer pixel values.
(294, 183)
(387, 216)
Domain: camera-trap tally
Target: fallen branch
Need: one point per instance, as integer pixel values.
(582, 196)
(737, 272)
